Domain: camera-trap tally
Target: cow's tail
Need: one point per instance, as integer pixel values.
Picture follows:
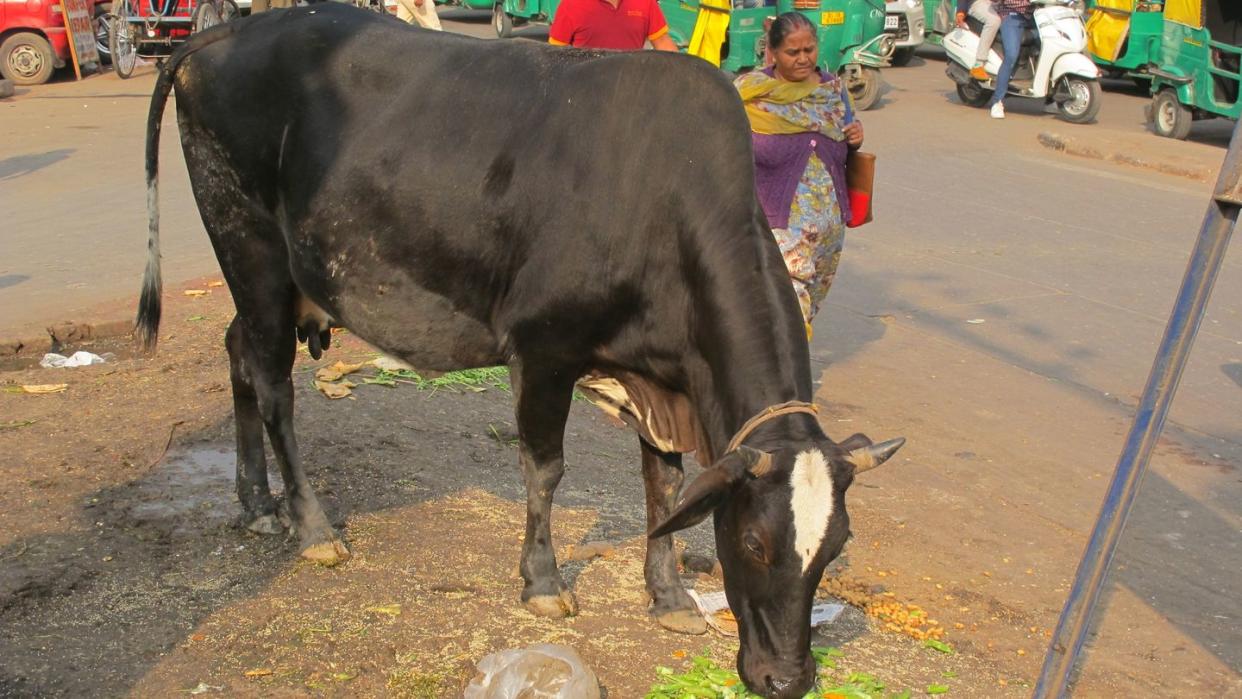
(147, 326)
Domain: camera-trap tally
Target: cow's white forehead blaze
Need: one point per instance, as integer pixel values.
(811, 482)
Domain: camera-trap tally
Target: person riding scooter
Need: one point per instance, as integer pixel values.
(985, 12)
(1042, 56)
(1015, 18)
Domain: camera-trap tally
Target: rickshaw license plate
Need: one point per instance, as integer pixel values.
(890, 21)
(828, 18)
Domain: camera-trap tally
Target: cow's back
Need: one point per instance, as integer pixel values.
(498, 176)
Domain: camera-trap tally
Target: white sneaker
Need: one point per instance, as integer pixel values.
(998, 110)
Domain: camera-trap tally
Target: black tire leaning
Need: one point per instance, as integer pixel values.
(100, 24)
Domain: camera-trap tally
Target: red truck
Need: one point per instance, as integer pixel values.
(33, 41)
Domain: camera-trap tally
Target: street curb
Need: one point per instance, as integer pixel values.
(1073, 146)
(6, 88)
(64, 333)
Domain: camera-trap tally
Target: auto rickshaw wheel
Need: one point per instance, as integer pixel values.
(1169, 118)
(1083, 100)
(972, 94)
(501, 22)
(865, 88)
(27, 59)
(121, 40)
(901, 57)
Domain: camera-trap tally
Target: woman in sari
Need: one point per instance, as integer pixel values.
(803, 128)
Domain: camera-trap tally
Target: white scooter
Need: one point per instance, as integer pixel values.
(1052, 65)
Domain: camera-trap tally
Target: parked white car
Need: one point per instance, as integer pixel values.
(904, 19)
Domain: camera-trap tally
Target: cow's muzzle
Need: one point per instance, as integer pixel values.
(777, 678)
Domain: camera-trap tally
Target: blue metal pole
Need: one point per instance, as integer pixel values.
(1166, 371)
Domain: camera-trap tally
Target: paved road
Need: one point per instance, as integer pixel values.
(1002, 311)
(1005, 309)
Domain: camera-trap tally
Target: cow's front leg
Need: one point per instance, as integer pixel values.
(670, 604)
(543, 398)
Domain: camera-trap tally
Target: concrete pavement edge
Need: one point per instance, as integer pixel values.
(1117, 154)
(62, 334)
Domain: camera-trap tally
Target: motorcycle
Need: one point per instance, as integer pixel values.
(1052, 65)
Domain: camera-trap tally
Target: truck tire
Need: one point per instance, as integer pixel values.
(27, 59)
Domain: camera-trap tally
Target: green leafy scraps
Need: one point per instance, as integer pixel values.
(940, 646)
(472, 380)
(708, 680)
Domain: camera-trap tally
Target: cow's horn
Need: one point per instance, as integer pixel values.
(867, 458)
(758, 463)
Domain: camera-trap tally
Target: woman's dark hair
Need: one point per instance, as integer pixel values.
(787, 24)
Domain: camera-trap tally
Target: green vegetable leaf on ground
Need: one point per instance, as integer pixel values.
(937, 688)
(938, 646)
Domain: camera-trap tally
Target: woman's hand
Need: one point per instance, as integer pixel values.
(854, 134)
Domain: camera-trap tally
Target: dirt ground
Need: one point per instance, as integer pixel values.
(124, 571)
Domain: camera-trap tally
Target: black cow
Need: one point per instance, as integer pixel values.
(463, 203)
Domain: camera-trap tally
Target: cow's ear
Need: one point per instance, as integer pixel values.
(855, 441)
(712, 488)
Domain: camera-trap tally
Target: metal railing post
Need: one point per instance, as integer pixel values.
(1166, 371)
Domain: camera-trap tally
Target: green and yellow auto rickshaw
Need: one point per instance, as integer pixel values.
(939, 18)
(1198, 71)
(508, 13)
(1123, 36)
(468, 4)
(852, 41)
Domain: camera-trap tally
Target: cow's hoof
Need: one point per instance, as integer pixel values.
(326, 553)
(687, 621)
(554, 606)
(267, 524)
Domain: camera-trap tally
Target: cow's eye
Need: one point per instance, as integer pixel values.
(755, 548)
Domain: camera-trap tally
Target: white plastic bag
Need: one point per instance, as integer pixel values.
(77, 359)
(541, 671)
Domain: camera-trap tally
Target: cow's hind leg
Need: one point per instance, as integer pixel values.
(268, 345)
(543, 399)
(258, 506)
(670, 604)
(262, 343)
